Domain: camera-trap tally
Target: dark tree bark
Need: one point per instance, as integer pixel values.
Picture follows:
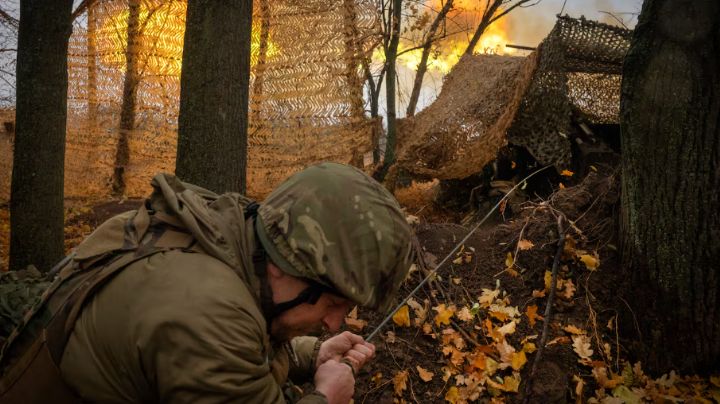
(212, 126)
(670, 123)
(36, 203)
(129, 100)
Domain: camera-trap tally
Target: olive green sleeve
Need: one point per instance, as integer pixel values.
(200, 347)
(305, 351)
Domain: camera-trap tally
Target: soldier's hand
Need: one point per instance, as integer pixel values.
(336, 381)
(346, 345)
(359, 355)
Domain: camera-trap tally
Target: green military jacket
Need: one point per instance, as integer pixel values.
(182, 325)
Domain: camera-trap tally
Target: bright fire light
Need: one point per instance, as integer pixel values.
(492, 41)
(161, 39)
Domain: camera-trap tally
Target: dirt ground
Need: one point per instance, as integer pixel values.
(493, 294)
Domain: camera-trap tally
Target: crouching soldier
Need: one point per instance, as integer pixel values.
(202, 298)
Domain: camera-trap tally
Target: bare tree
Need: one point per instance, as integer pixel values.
(493, 11)
(428, 40)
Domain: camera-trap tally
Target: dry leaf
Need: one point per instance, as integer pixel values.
(601, 376)
(579, 386)
(400, 382)
(574, 330)
(377, 378)
(567, 173)
(518, 360)
(420, 310)
(529, 347)
(390, 337)
(525, 244)
(412, 219)
(558, 340)
(507, 329)
(452, 395)
(353, 322)
(488, 297)
(427, 329)
(582, 347)
(464, 314)
(561, 185)
(424, 374)
(531, 313)
(568, 290)
(509, 261)
(402, 317)
(590, 262)
(538, 293)
(444, 314)
(458, 260)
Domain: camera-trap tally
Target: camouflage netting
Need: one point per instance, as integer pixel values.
(487, 101)
(305, 93)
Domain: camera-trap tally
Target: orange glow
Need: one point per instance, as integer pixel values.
(492, 41)
(161, 38)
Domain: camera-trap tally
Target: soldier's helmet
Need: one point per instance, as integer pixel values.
(335, 225)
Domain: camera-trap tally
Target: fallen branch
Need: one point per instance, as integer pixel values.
(548, 308)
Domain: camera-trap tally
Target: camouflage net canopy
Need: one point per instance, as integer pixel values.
(305, 92)
(487, 101)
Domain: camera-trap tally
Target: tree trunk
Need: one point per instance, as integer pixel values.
(390, 84)
(129, 100)
(36, 203)
(670, 123)
(214, 86)
(422, 67)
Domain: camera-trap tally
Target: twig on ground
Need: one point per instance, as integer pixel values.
(548, 308)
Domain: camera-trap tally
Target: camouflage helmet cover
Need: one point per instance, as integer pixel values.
(334, 224)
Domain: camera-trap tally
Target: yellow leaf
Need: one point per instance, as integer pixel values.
(590, 262)
(511, 384)
(561, 185)
(402, 317)
(377, 378)
(548, 280)
(567, 173)
(531, 313)
(452, 395)
(529, 347)
(509, 260)
(715, 380)
(424, 374)
(525, 244)
(444, 314)
(458, 260)
(518, 360)
(400, 382)
(574, 330)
